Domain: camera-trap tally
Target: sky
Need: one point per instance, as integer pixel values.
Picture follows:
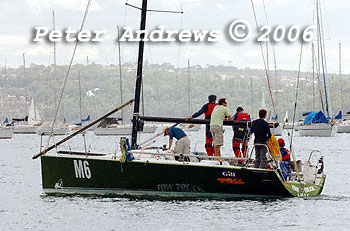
(19, 17)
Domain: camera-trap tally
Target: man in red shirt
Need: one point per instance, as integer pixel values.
(207, 109)
(241, 135)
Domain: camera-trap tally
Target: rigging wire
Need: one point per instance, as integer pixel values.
(263, 57)
(158, 11)
(179, 47)
(154, 74)
(321, 46)
(273, 56)
(120, 75)
(68, 71)
(294, 112)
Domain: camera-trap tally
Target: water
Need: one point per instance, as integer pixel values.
(24, 207)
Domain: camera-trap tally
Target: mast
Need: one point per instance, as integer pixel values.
(54, 59)
(313, 77)
(189, 87)
(251, 95)
(80, 105)
(120, 77)
(139, 77)
(6, 95)
(341, 85)
(322, 57)
(25, 82)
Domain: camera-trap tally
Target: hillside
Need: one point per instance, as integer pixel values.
(165, 90)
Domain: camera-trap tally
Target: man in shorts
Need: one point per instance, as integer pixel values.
(220, 113)
(182, 145)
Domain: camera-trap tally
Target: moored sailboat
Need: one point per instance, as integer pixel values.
(30, 124)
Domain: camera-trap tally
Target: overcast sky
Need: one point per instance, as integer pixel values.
(18, 17)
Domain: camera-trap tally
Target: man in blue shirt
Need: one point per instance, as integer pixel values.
(262, 134)
(182, 145)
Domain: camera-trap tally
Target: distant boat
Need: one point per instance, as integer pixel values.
(45, 129)
(30, 123)
(190, 127)
(275, 129)
(343, 125)
(316, 124)
(111, 127)
(6, 133)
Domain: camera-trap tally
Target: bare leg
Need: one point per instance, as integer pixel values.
(217, 152)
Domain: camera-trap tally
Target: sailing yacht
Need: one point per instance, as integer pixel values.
(343, 125)
(6, 131)
(31, 123)
(140, 170)
(316, 124)
(275, 128)
(111, 127)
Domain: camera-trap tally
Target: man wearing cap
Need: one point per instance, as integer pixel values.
(182, 145)
(284, 152)
(220, 113)
(207, 109)
(241, 135)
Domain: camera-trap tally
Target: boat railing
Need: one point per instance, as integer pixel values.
(201, 156)
(272, 158)
(318, 162)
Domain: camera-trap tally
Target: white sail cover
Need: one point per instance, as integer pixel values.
(33, 116)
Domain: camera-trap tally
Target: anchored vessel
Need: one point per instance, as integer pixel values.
(154, 172)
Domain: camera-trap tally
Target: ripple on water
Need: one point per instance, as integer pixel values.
(24, 206)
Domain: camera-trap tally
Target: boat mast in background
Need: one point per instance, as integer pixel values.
(120, 77)
(313, 76)
(252, 96)
(139, 77)
(189, 88)
(321, 52)
(54, 59)
(5, 91)
(25, 82)
(340, 80)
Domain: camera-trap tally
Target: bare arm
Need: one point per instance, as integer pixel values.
(170, 143)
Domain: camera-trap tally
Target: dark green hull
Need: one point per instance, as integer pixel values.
(80, 175)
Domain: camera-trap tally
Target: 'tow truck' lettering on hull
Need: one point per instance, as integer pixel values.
(82, 169)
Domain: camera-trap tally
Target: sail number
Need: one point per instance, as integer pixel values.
(82, 169)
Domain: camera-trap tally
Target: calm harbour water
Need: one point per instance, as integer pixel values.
(24, 207)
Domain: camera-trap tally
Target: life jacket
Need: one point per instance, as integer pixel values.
(241, 132)
(211, 107)
(285, 154)
(242, 116)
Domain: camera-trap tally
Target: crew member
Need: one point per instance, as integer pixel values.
(284, 152)
(262, 133)
(220, 113)
(182, 145)
(240, 135)
(285, 163)
(207, 109)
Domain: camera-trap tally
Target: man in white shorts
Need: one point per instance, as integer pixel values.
(220, 113)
